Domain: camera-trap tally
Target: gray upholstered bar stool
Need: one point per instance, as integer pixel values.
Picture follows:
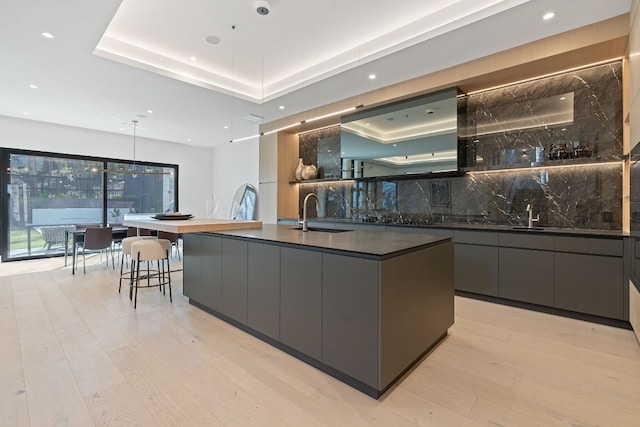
(146, 250)
(126, 253)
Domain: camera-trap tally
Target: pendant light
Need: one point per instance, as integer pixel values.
(132, 170)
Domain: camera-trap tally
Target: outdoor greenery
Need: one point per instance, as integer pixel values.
(18, 239)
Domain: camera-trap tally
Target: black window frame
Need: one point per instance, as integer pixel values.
(5, 155)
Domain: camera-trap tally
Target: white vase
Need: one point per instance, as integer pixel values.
(298, 172)
(309, 172)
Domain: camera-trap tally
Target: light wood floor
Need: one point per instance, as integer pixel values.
(74, 352)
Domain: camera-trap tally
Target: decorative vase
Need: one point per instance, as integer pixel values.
(298, 172)
(309, 172)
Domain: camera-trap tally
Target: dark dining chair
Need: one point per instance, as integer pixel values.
(134, 231)
(97, 238)
(173, 238)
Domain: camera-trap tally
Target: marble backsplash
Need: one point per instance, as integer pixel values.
(588, 197)
(528, 124)
(574, 115)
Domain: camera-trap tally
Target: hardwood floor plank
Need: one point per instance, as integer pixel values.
(75, 352)
(119, 405)
(13, 400)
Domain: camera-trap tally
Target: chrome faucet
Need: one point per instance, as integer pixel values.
(304, 210)
(531, 218)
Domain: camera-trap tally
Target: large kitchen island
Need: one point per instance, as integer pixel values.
(361, 306)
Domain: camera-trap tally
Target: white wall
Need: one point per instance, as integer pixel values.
(234, 165)
(195, 171)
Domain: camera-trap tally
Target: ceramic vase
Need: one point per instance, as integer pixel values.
(298, 171)
(309, 172)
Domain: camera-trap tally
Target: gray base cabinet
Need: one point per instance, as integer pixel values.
(301, 300)
(263, 288)
(589, 284)
(526, 275)
(477, 269)
(202, 270)
(363, 320)
(350, 316)
(234, 279)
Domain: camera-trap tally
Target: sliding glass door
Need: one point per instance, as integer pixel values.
(45, 194)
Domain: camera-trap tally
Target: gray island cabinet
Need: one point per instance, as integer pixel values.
(362, 306)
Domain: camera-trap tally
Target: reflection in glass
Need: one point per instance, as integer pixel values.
(412, 136)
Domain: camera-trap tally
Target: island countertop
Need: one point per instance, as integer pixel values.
(193, 225)
(359, 243)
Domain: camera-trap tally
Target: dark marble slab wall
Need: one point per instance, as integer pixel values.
(582, 195)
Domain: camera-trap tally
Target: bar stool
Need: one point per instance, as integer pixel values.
(146, 250)
(126, 253)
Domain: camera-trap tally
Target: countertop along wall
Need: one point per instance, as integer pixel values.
(195, 163)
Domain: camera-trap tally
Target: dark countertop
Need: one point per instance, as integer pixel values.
(366, 244)
(556, 231)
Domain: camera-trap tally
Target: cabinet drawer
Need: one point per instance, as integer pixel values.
(610, 247)
(476, 237)
(526, 241)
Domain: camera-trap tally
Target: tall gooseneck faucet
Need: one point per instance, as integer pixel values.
(531, 218)
(304, 210)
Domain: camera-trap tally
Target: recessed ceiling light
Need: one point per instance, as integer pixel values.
(212, 40)
(150, 111)
(33, 86)
(562, 98)
(26, 113)
(226, 127)
(281, 107)
(372, 76)
(193, 58)
(548, 15)
(47, 35)
(188, 139)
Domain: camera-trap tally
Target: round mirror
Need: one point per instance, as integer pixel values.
(244, 204)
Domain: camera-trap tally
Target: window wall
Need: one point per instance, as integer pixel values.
(47, 193)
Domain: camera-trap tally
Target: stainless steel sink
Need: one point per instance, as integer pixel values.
(322, 230)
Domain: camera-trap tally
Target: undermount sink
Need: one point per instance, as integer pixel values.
(524, 227)
(322, 230)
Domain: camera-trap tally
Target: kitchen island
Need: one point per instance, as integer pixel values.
(362, 306)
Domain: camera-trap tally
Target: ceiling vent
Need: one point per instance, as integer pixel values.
(253, 118)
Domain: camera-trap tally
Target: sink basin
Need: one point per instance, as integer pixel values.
(322, 230)
(523, 227)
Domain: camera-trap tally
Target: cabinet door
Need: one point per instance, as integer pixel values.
(301, 300)
(477, 269)
(202, 272)
(590, 284)
(263, 311)
(526, 275)
(350, 288)
(191, 275)
(234, 279)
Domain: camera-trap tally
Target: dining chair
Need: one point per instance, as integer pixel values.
(134, 231)
(173, 238)
(97, 238)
